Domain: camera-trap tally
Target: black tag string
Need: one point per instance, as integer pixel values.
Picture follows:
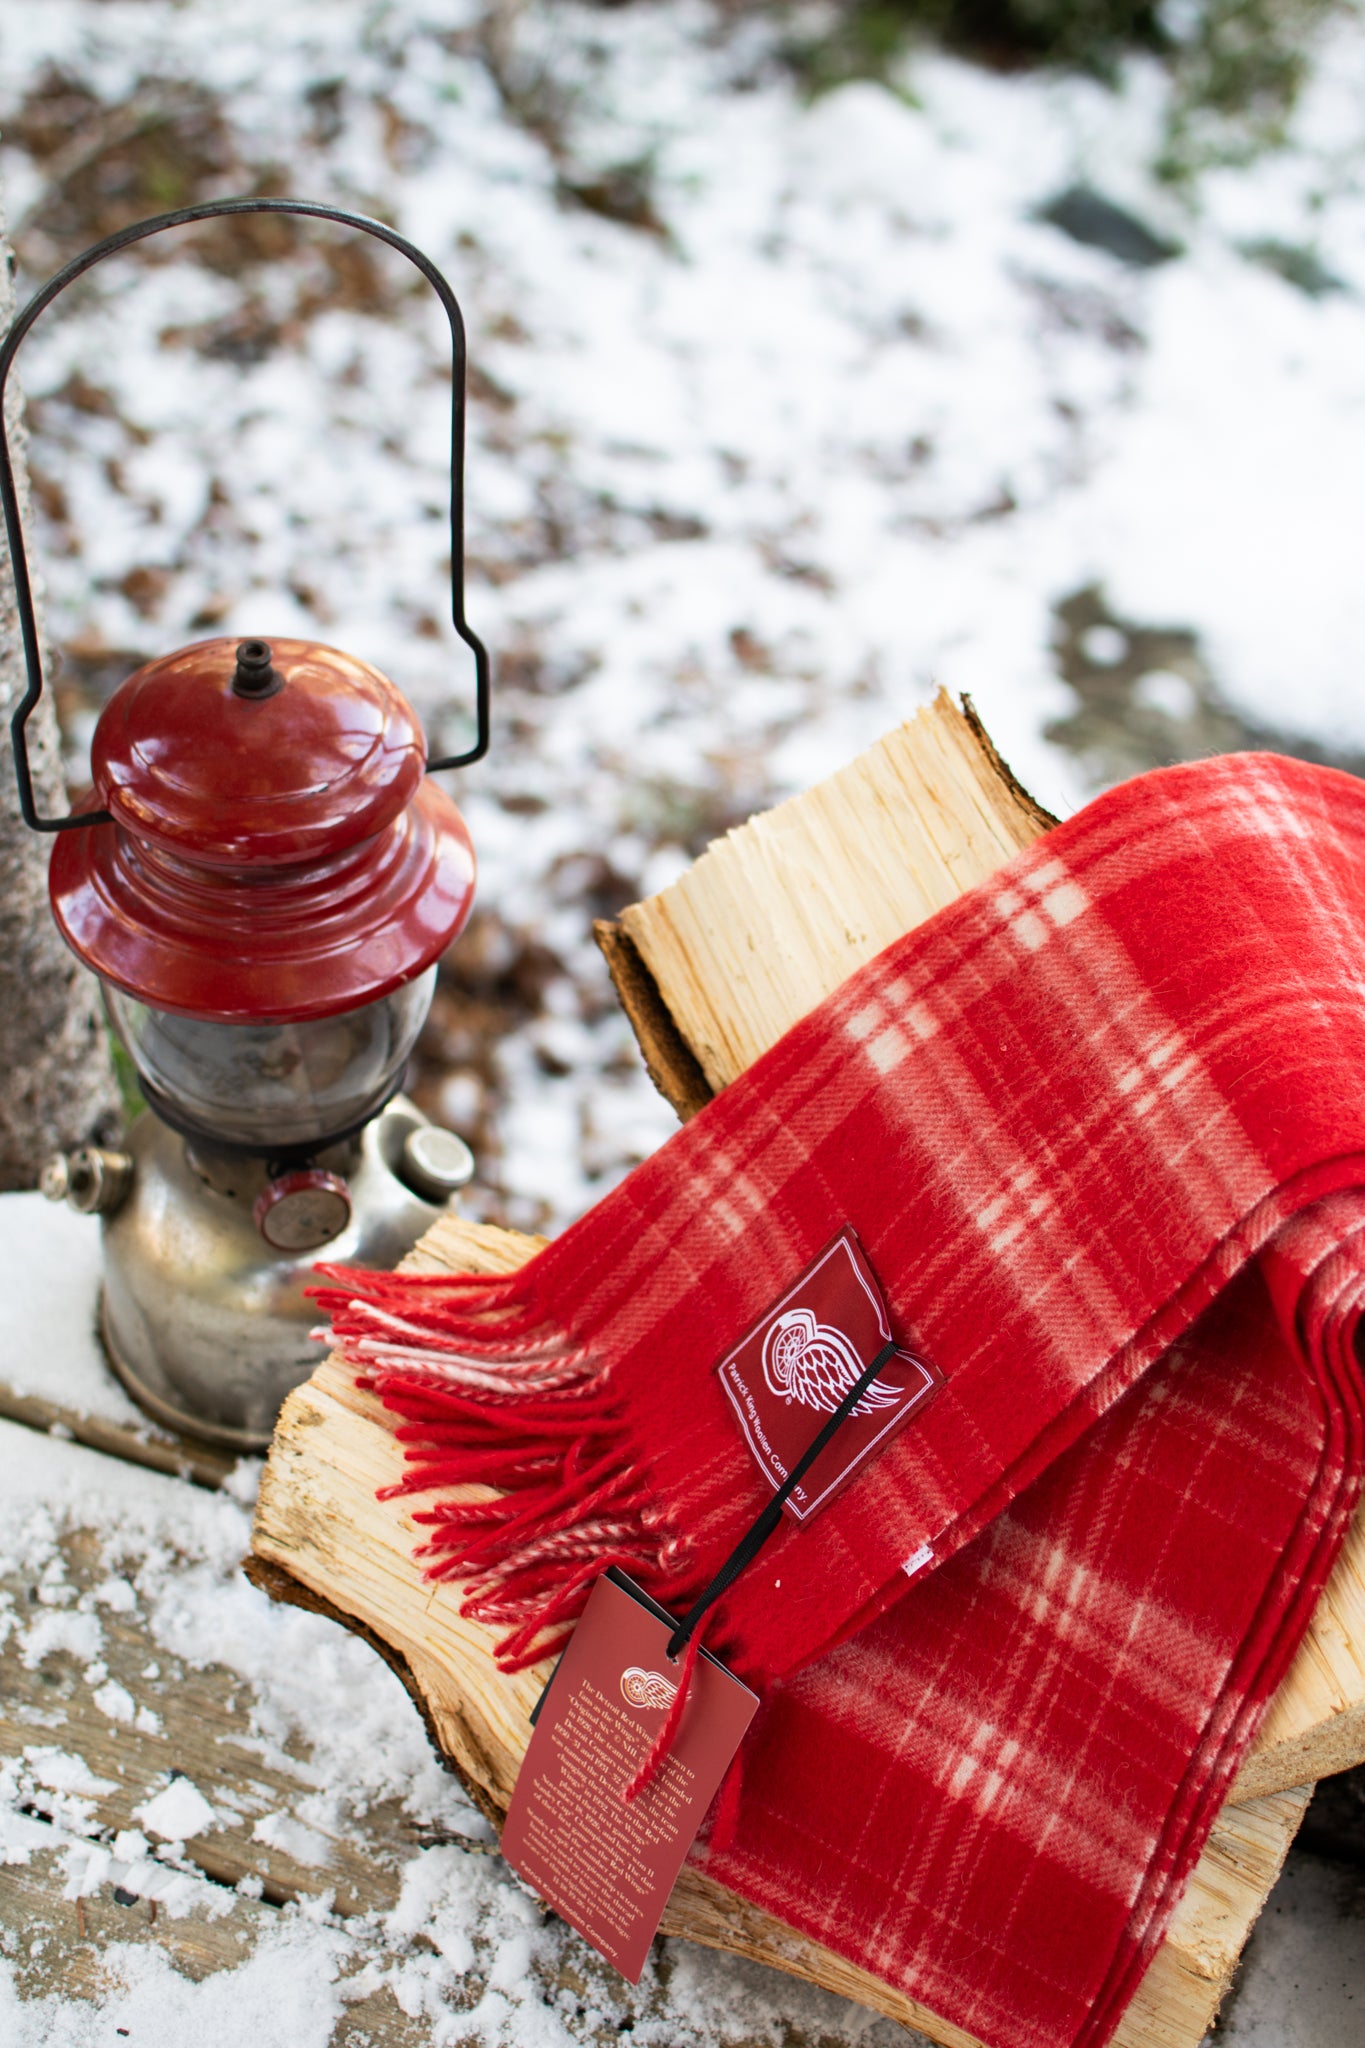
(749, 1545)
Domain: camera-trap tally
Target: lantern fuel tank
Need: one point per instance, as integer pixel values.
(263, 875)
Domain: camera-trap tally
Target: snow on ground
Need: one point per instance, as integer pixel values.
(465, 1948)
(48, 1335)
(781, 412)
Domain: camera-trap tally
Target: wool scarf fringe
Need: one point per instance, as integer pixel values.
(490, 1394)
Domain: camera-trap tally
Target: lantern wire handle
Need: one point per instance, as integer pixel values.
(9, 499)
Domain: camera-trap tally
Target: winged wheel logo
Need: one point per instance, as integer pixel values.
(640, 1688)
(815, 1363)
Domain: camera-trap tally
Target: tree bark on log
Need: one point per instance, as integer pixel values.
(59, 1088)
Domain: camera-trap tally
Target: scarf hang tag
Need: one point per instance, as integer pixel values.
(605, 1866)
(788, 1374)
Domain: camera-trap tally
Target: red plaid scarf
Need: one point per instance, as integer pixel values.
(1100, 1126)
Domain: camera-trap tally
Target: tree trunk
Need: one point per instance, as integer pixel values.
(56, 1082)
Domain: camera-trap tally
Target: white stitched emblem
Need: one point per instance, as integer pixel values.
(814, 1363)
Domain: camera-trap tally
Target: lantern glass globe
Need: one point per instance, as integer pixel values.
(272, 1088)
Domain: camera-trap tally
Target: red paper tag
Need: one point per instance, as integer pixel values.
(786, 1377)
(605, 1867)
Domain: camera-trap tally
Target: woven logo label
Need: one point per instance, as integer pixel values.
(788, 1374)
(605, 1866)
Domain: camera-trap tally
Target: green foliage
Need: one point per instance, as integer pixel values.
(1236, 65)
(1296, 264)
(125, 1074)
(1237, 74)
(865, 40)
(866, 37)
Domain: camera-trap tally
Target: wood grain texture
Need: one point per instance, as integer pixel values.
(319, 1525)
(196, 1720)
(150, 1443)
(56, 1951)
(1315, 1724)
(768, 922)
(775, 915)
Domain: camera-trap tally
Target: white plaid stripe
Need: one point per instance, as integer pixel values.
(1063, 1118)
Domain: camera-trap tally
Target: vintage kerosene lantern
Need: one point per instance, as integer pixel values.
(263, 876)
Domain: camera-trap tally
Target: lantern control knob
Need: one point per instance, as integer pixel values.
(298, 1211)
(255, 674)
(93, 1181)
(435, 1164)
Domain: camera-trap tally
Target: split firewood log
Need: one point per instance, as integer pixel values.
(711, 972)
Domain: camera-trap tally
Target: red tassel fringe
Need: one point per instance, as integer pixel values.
(489, 1394)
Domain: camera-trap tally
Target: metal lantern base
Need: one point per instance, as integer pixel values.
(206, 1325)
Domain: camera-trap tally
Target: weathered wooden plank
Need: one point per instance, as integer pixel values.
(192, 1722)
(77, 1762)
(56, 1948)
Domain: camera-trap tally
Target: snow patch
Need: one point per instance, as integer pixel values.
(177, 1813)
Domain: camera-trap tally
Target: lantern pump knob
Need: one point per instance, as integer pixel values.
(299, 1211)
(435, 1163)
(256, 675)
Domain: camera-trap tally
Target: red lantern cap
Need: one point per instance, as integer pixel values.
(276, 850)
